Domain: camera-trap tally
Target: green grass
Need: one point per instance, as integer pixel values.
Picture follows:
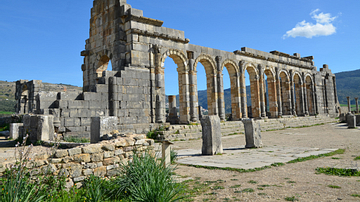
(76, 140)
(334, 186)
(355, 195)
(236, 186)
(5, 127)
(248, 190)
(252, 182)
(264, 185)
(357, 158)
(339, 151)
(291, 182)
(7, 113)
(262, 194)
(338, 171)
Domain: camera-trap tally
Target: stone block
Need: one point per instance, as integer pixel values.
(97, 157)
(108, 147)
(45, 128)
(61, 153)
(74, 151)
(15, 130)
(82, 158)
(100, 171)
(85, 121)
(101, 126)
(118, 152)
(351, 120)
(87, 172)
(108, 154)
(78, 104)
(111, 161)
(72, 122)
(91, 149)
(252, 133)
(211, 135)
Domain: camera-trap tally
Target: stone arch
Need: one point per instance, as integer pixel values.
(254, 88)
(233, 70)
(271, 91)
(102, 65)
(309, 87)
(285, 92)
(298, 93)
(179, 59)
(211, 79)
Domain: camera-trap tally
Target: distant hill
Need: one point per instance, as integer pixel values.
(348, 84)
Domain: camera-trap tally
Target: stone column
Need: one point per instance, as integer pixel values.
(262, 92)
(243, 90)
(236, 98)
(292, 93)
(211, 135)
(173, 117)
(349, 106)
(357, 105)
(220, 89)
(184, 98)
(193, 92)
(305, 99)
(113, 104)
(200, 112)
(315, 96)
(278, 92)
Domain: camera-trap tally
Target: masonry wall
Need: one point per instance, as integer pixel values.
(103, 159)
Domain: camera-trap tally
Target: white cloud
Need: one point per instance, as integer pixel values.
(323, 26)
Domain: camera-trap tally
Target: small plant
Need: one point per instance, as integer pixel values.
(334, 186)
(262, 194)
(76, 140)
(236, 186)
(234, 179)
(293, 198)
(264, 185)
(247, 190)
(218, 187)
(291, 182)
(252, 182)
(355, 195)
(357, 158)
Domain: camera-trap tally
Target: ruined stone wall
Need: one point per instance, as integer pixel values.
(103, 159)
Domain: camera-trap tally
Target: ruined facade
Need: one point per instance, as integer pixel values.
(134, 91)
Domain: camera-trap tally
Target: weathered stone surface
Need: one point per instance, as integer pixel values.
(82, 158)
(91, 149)
(118, 152)
(87, 172)
(100, 171)
(61, 153)
(111, 161)
(108, 154)
(15, 130)
(252, 133)
(97, 157)
(351, 120)
(211, 135)
(108, 147)
(74, 151)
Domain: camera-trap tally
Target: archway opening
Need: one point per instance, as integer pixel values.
(103, 65)
(298, 95)
(285, 93)
(254, 95)
(232, 92)
(202, 88)
(172, 85)
(227, 94)
(309, 95)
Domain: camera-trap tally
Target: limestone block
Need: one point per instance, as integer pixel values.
(97, 157)
(252, 133)
(101, 126)
(211, 135)
(100, 171)
(15, 130)
(91, 149)
(108, 154)
(61, 153)
(82, 158)
(87, 172)
(108, 147)
(111, 161)
(351, 120)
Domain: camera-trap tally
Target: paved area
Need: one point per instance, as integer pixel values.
(243, 158)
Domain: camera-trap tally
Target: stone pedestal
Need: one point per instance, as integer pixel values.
(173, 117)
(351, 120)
(45, 128)
(349, 106)
(252, 133)
(101, 126)
(211, 135)
(15, 130)
(166, 153)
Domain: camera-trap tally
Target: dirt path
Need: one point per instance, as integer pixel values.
(298, 180)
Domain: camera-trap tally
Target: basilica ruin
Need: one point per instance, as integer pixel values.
(133, 93)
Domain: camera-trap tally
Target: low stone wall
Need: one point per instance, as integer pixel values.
(103, 159)
(10, 119)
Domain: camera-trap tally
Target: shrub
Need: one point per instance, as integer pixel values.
(173, 156)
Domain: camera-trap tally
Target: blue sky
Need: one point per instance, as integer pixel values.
(42, 39)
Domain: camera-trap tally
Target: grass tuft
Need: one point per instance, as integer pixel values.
(334, 186)
(339, 151)
(338, 171)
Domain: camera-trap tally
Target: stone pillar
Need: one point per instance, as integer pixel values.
(101, 126)
(235, 97)
(211, 135)
(166, 153)
(278, 85)
(184, 99)
(293, 109)
(193, 92)
(262, 92)
(349, 106)
(200, 112)
(351, 120)
(220, 89)
(15, 130)
(173, 117)
(243, 90)
(316, 104)
(252, 133)
(357, 105)
(305, 98)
